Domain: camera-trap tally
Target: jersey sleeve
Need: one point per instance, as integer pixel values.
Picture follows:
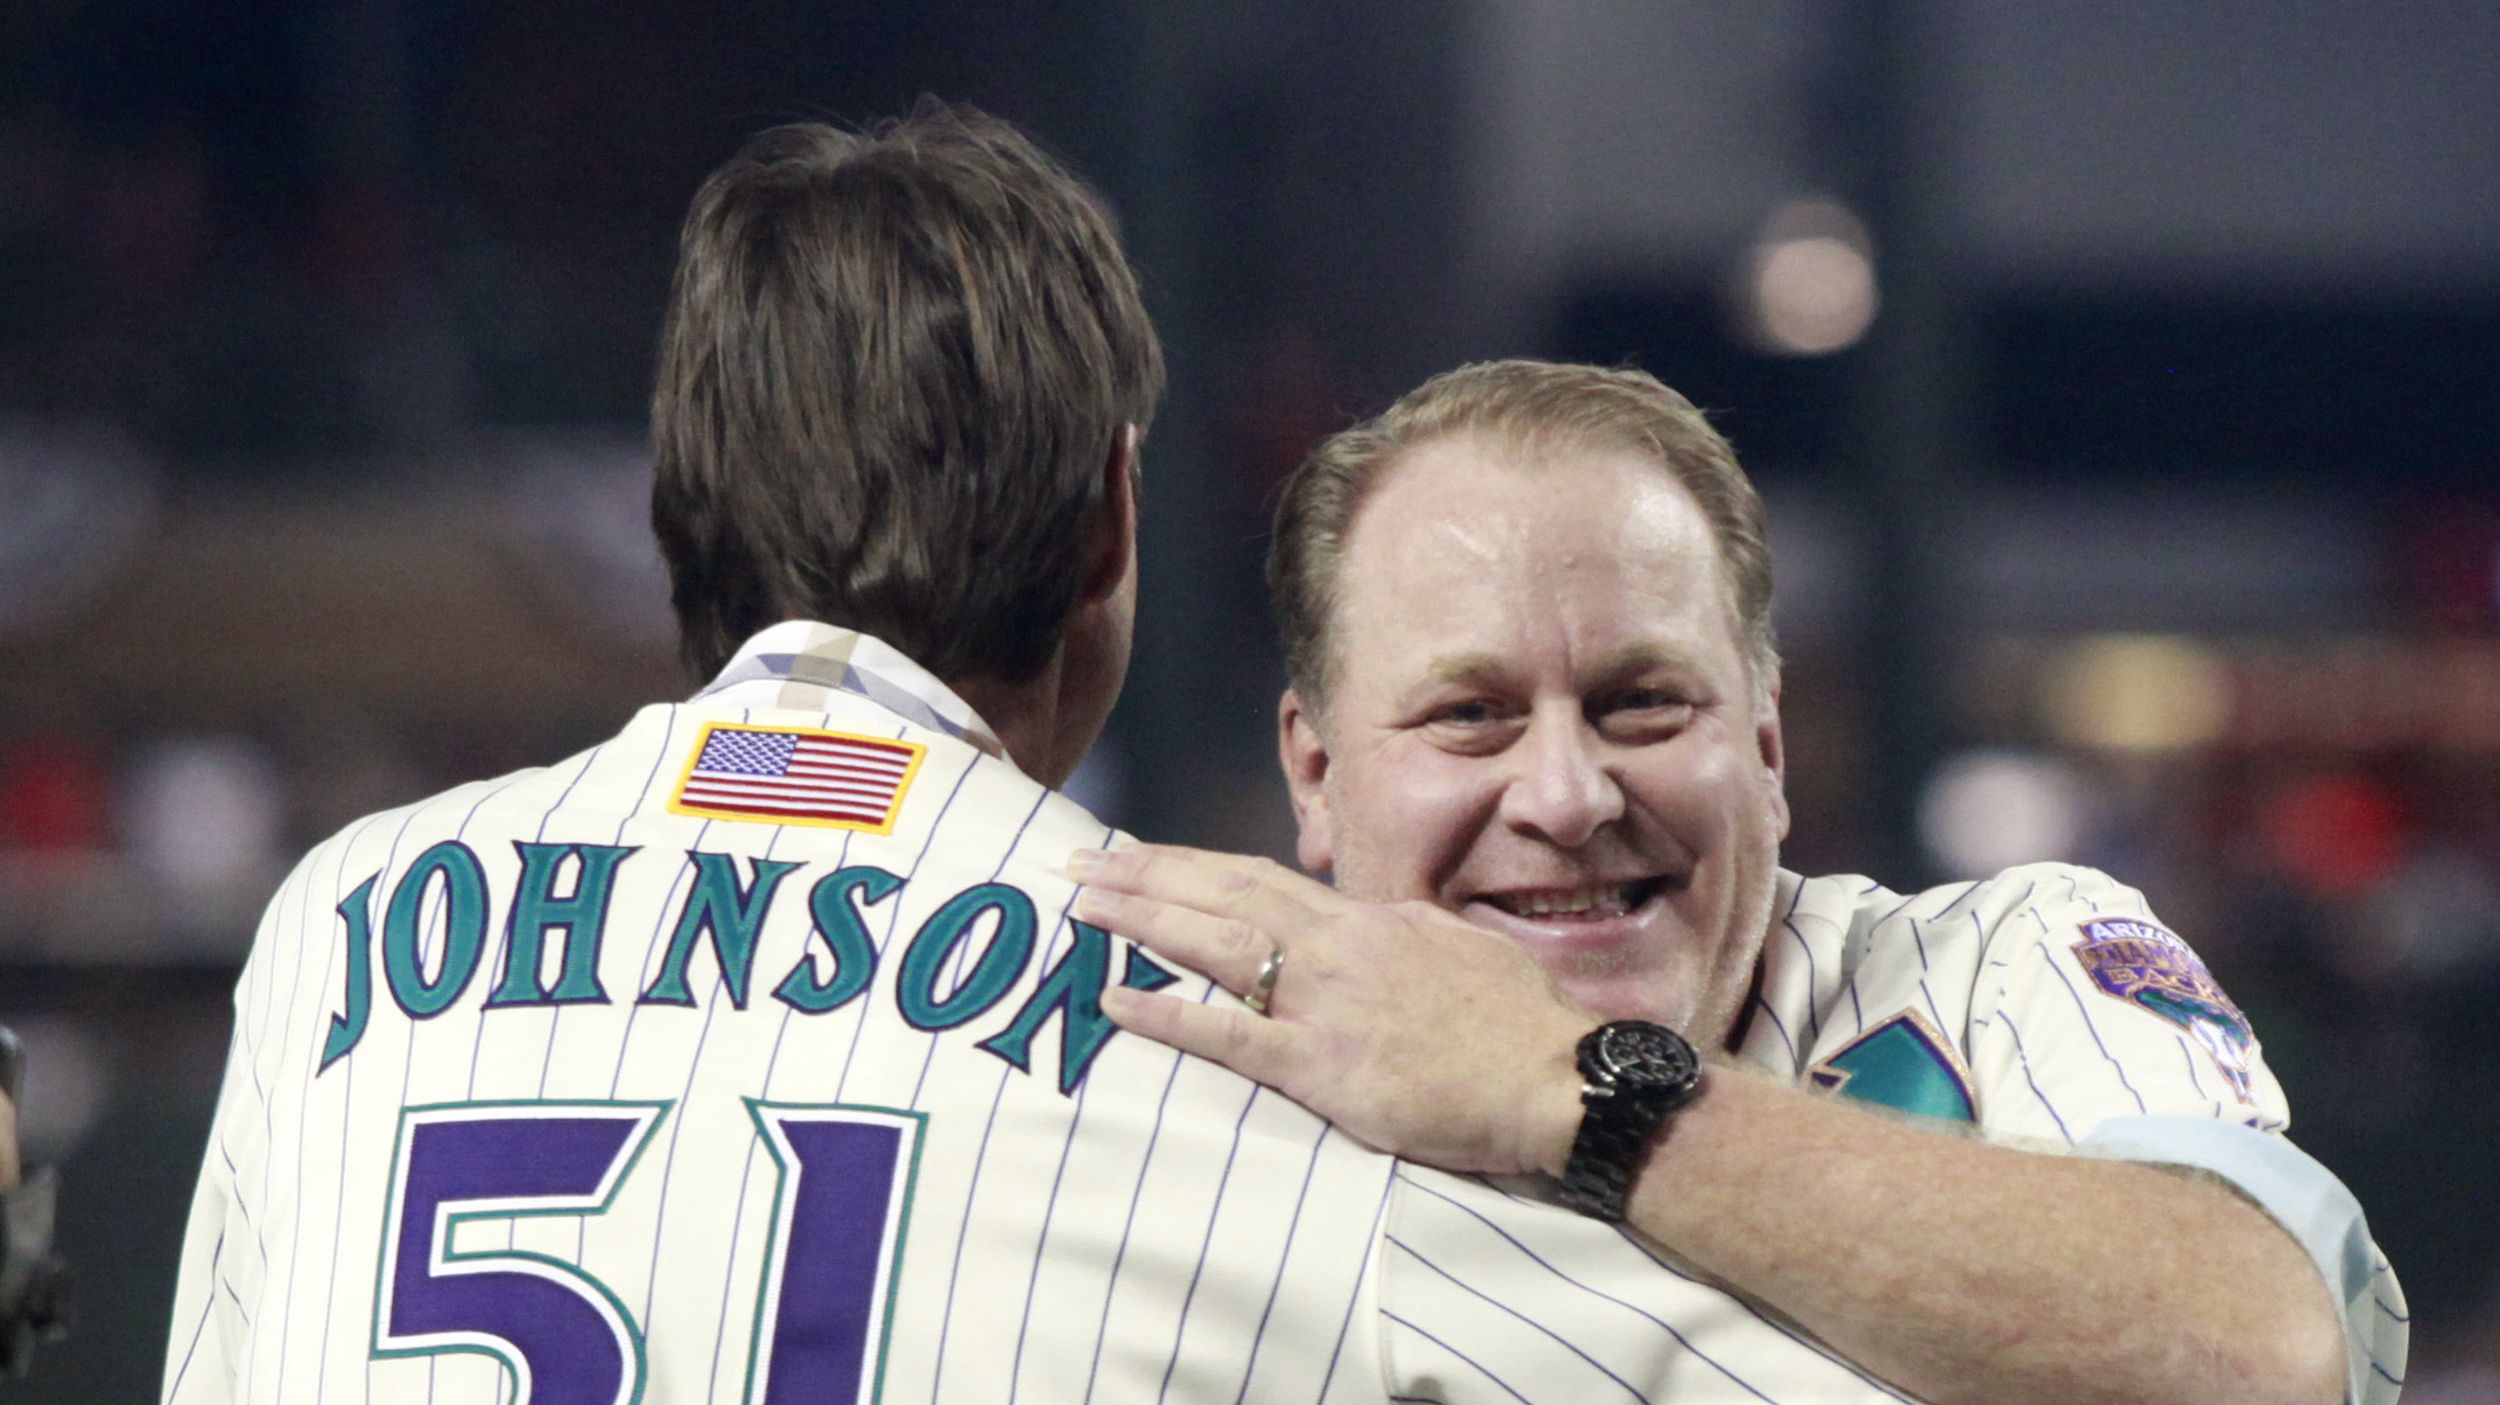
(218, 1259)
(222, 1254)
(2085, 1008)
(196, 1367)
(2094, 1026)
(2307, 1200)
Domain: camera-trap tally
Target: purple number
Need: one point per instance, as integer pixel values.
(846, 1177)
(827, 1296)
(562, 1334)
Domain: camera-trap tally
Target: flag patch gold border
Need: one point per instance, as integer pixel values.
(678, 805)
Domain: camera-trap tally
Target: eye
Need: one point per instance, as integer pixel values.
(1467, 712)
(1643, 710)
(1469, 725)
(1645, 700)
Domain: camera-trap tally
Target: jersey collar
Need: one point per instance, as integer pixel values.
(794, 663)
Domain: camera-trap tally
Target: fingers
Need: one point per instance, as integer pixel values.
(1224, 950)
(1259, 892)
(1253, 1047)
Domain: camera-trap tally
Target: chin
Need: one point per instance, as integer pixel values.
(1624, 997)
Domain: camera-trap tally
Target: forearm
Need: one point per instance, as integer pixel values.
(9, 1169)
(1962, 1271)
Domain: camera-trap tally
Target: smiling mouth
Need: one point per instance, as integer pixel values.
(1594, 902)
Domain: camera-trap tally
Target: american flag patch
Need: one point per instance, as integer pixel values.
(791, 775)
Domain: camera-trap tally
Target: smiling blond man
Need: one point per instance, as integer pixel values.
(1527, 619)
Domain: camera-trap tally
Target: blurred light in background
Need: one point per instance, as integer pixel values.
(2135, 693)
(79, 500)
(55, 796)
(204, 821)
(2340, 835)
(1808, 287)
(1987, 810)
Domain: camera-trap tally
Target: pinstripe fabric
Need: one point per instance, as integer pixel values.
(1489, 1299)
(1162, 1232)
(1991, 966)
(2049, 1055)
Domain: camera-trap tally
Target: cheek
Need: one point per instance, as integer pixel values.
(1698, 791)
(1404, 822)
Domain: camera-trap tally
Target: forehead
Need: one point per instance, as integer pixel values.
(1481, 544)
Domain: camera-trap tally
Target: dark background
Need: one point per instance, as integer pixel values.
(2154, 520)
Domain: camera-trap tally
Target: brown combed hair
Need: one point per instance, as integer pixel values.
(1530, 405)
(895, 366)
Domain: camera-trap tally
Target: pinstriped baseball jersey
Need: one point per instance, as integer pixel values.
(1492, 1296)
(2045, 1006)
(561, 1087)
(752, 1051)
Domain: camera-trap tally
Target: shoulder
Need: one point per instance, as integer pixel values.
(1845, 951)
(406, 830)
(2018, 906)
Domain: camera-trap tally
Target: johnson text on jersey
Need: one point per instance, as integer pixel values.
(955, 971)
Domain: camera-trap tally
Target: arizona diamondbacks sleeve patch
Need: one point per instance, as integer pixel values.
(796, 775)
(2149, 968)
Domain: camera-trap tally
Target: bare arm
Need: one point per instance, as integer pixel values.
(1966, 1271)
(1959, 1270)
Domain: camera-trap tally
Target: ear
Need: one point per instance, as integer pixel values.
(1302, 749)
(1111, 555)
(1773, 749)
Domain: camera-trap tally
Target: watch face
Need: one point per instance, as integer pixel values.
(1643, 1055)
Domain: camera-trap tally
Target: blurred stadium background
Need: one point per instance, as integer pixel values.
(2124, 377)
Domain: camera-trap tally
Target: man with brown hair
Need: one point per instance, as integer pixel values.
(1526, 613)
(751, 1055)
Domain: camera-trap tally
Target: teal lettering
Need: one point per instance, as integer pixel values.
(345, 1031)
(582, 918)
(836, 902)
(938, 938)
(464, 929)
(731, 914)
(1074, 989)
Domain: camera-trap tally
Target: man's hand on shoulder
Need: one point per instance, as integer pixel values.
(1413, 1029)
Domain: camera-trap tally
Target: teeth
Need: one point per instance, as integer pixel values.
(1574, 902)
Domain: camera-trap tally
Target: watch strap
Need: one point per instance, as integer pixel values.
(1623, 1111)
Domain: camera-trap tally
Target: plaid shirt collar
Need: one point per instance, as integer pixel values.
(794, 663)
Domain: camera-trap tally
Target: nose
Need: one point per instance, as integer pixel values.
(1564, 790)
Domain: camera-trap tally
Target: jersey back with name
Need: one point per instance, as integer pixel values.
(751, 1056)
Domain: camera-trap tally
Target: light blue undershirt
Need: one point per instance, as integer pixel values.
(2302, 1196)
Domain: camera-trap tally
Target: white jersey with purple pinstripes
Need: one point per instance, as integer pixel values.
(590, 1084)
(2045, 1007)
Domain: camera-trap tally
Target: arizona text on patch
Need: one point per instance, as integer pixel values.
(2146, 966)
(797, 775)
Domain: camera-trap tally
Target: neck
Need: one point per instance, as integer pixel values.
(1030, 718)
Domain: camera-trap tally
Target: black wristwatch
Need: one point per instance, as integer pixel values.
(34, 1283)
(1635, 1073)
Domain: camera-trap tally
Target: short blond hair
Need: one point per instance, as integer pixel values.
(1540, 404)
